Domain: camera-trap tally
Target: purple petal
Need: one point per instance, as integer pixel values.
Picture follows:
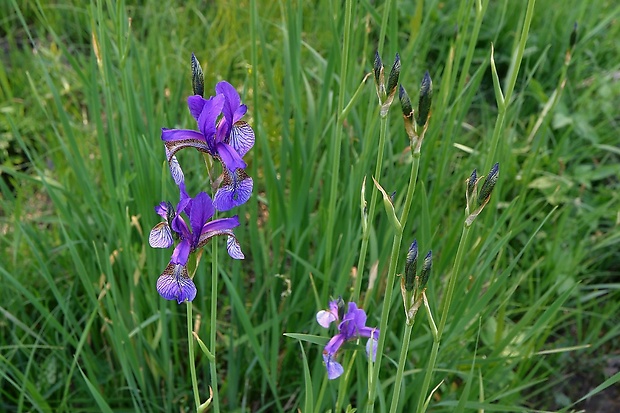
(202, 210)
(172, 147)
(235, 190)
(210, 112)
(174, 283)
(334, 369)
(371, 345)
(176, 171)
(162, 210)
(171, 135)
(242, 137)
(230, 157)
(353, 321)
(221, 224)
(239, 113)
(334, 344)
(326, 317)
(160, 236)
(232, 100)
(233, 248)
(195, 104)
(181, 252)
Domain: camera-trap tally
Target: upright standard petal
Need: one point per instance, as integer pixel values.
(232, 102)
(208, 117)
(235, 189)
(202, 210)
(174, 283)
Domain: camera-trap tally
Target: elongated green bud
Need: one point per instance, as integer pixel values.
(411, 265)
(573, 37)
(488, 185)
(426, 269)
(426, 98)
(198, 78)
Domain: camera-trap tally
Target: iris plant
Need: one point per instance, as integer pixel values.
(352, 327)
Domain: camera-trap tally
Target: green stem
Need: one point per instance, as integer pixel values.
(336, 146)
(371, 213)
(445, 307)
(389, 287)
(512, 80)
(213, 332)
(192, 359)
(402, 360)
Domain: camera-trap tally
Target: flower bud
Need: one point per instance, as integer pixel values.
(393, 78)
(198, 78)
(488, 185)
(426, 98)
(411, 264)
(573, 37)
(426, 269)
(378, 68)
(471, 187)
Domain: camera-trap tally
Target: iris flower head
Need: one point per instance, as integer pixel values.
(174, 282)
(351, 326)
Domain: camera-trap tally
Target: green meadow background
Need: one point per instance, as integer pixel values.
(86, 87)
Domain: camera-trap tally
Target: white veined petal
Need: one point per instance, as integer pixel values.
(160, 236)
(242, 137)
(234, 249)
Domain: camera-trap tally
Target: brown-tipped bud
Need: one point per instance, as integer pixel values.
(426, 269)
(426, 98)
(198, 78)
(573, 37)
(393, 79)
(488, 185)
(411, 265)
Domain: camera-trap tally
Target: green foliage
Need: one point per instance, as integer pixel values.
(84, 92)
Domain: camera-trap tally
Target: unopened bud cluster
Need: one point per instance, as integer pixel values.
(413, 285)
(416, 122)
(478, 197)
(386, 93)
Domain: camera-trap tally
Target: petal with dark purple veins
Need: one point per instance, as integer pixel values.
(174, 283)
(242, 137)
(160, 236)
(235, 189)
(234, 248)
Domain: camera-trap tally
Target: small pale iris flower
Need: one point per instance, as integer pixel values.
(352, 327)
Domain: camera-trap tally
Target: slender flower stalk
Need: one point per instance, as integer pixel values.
(213, 327)
(396, 242)
(475, 199)
(192, 358)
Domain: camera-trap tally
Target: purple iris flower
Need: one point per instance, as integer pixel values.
(352, 327)
(174, 282)
(228, 139)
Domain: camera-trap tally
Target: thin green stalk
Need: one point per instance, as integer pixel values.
(371, 213)
(444, 316)
(192, 358)
(213, 332)
(389, 288)
(402, 360)
(336, 145)
(512, 80)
